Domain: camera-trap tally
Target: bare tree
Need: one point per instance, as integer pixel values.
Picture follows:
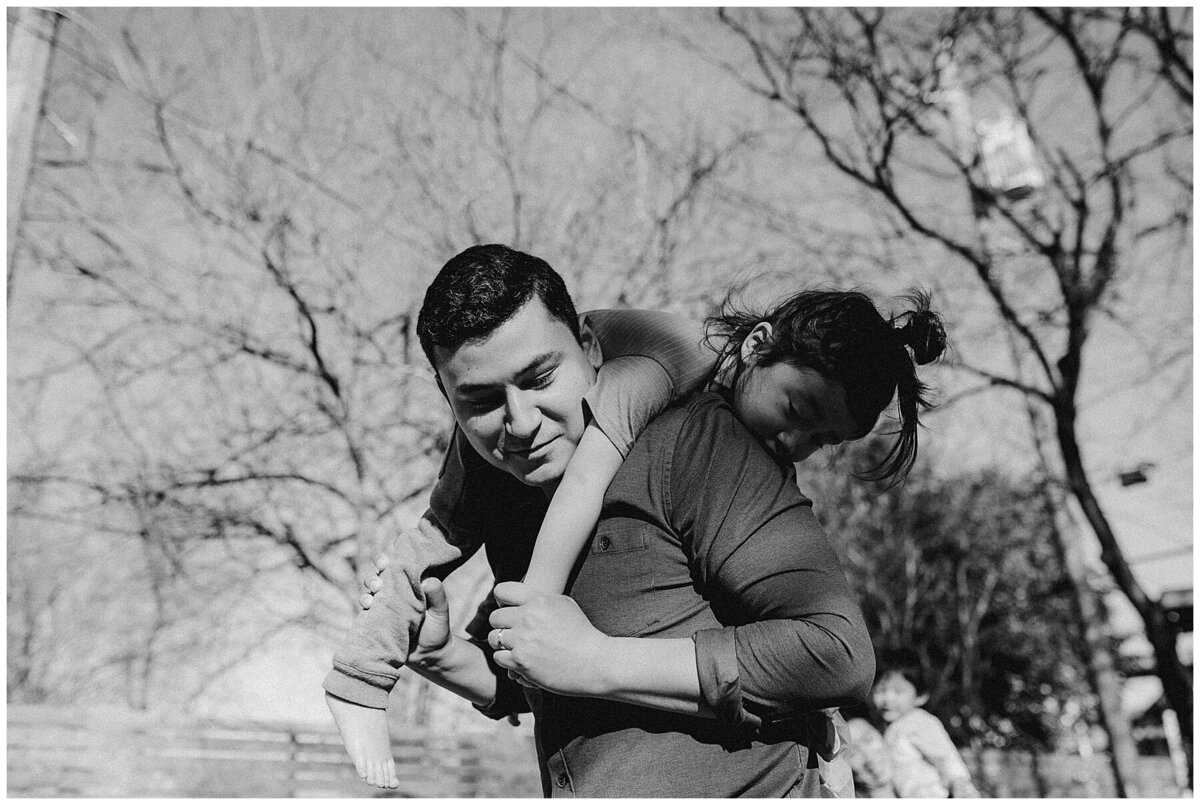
(1105, 98)
(226, 240)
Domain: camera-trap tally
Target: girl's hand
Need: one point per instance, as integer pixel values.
(546, 641)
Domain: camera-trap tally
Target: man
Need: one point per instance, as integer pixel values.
(709, 615)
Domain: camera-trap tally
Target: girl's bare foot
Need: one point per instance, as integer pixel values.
(364, 732)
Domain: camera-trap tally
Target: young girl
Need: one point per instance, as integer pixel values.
(764, 362)
(839, 337)
(836, 334)
(923, 760)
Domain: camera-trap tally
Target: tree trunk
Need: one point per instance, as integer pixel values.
(1098, 659)
(1177, 686)
(28, 63)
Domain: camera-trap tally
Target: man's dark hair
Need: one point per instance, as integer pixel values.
(481, 288)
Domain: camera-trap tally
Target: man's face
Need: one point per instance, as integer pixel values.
(517, 395)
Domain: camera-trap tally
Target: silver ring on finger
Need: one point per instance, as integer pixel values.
(500, 640)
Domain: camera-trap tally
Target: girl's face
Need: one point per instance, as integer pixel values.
(894, 696)
(793, 411)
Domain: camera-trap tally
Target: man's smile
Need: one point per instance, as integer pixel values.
(532, 452)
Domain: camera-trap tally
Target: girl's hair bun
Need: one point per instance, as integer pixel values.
(922, 331)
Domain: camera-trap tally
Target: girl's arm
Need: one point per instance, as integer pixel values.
(573, 511)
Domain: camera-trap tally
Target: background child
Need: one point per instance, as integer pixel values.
(867, 756)
(924, 761)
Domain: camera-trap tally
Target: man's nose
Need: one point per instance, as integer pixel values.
(520, 415)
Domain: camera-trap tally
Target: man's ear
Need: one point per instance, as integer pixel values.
(921, 700)
(437, 377)
(756, 341)
(591, 347)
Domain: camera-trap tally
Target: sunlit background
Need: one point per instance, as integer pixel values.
(221, 225)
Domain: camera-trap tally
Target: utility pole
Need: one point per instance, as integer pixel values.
(1019, 181)
(29, 52)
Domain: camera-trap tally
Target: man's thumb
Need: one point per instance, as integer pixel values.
(435, 600)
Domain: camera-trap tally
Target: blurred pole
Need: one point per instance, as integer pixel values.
(29, 52)
(1101, 666)
(1179, 759)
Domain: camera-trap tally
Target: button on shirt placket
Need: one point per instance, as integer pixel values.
(560, 780)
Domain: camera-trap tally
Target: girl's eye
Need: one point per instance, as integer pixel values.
(803, 420)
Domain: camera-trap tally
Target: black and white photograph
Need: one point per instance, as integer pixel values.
(644, 402)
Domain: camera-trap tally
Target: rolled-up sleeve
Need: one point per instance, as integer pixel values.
(510, 696)
(720, 680)
(794, 639)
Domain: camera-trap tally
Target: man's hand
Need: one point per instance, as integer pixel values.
(434, 635)
(546, 641)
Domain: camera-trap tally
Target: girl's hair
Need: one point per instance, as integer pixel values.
(841, 335)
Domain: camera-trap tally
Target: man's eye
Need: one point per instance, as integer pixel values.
(478, 404)
(543, 380)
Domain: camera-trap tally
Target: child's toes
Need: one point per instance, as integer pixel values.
(393, 780)
(379, 777)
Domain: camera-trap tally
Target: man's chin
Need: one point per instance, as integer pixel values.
(540, 474)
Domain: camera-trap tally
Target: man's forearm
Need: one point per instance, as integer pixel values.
(548, 642)
(654, 672)
(461, 668)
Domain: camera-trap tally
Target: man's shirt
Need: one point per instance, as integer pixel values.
(702, 535)
(650, 358)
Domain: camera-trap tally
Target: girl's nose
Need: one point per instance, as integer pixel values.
(798, 445)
